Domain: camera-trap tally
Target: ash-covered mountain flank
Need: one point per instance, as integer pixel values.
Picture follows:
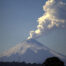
(29, 51)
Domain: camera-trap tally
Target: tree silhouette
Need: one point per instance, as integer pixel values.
(18, 64)
(53, 61)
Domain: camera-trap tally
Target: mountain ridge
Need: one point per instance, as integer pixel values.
(30, 51)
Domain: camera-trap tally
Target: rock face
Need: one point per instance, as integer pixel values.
(29, 51)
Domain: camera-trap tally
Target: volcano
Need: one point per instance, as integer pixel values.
(29, 51)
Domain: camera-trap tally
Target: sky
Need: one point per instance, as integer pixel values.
(19, 17)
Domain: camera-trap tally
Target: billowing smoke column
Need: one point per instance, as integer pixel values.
(54, 16)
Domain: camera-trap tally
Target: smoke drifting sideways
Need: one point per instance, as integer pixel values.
(54, 17)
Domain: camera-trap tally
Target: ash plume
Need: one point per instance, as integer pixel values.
(54, 16)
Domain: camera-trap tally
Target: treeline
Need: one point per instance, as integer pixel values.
(52, 61)
(18, 64)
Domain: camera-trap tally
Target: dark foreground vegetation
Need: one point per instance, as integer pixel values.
(18, 64)
(53, 61)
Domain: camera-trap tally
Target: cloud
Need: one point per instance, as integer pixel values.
(54, 16)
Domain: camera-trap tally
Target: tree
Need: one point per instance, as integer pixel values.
(53, 61)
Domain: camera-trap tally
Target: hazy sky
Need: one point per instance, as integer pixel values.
(19, 17)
